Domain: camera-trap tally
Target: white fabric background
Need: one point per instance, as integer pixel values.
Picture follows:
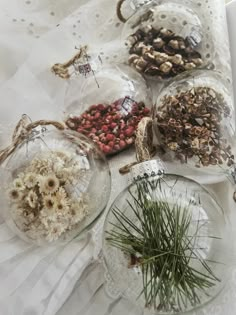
(46, 281)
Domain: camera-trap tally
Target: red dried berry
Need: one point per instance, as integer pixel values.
(97, 115)
(116, 147)
(101, 107)
(113, 125)
(111, 144)
(110, 137)
(129, 131)
(104, 128)
(122, 144)
(106, 149)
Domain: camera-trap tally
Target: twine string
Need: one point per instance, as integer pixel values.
(119, 11)
(22, 131)
(62, 69)
(143, 144)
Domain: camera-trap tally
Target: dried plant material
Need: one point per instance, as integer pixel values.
(159, 237)
(190, 124)
(43, 203)
(63, 69)
(112, 127)
(161, 53)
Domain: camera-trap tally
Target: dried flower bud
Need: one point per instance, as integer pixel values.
(166, 67)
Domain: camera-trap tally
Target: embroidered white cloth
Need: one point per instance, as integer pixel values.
(66, 280)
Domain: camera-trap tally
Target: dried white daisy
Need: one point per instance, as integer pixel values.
(55, 231)
(49, 184)
(41, 166)
(61, 194)
(64, 156)
(19, 184)
(58, 164)
(31, 179)
(47, 216)
(62, 206)
(78, 211)
(49, 202)
(15, 194)
(32, 199)
(64, 174)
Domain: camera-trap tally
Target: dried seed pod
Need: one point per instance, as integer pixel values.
(165, 33)
(158, 43)
(197, 61)
(158, 46)
(152, 70)
(133, 58)
(174, 44)
(177, 59)
(146, 28)
(177, 69)
(166, 67)
(141, 63)
(137, 48)
(160, 57)
(149, 56)
(189, 66)
(132, 40)
(169, 50)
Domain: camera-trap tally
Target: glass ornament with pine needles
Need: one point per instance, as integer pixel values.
(166, 244)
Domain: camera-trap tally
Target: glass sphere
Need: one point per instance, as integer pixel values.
(55, 185)
(194, 122)
(167, 244)
(108, 107)
(164, 40)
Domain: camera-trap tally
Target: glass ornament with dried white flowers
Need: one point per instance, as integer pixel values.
(51, 179)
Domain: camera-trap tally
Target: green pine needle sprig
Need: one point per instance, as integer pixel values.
(156, 235)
